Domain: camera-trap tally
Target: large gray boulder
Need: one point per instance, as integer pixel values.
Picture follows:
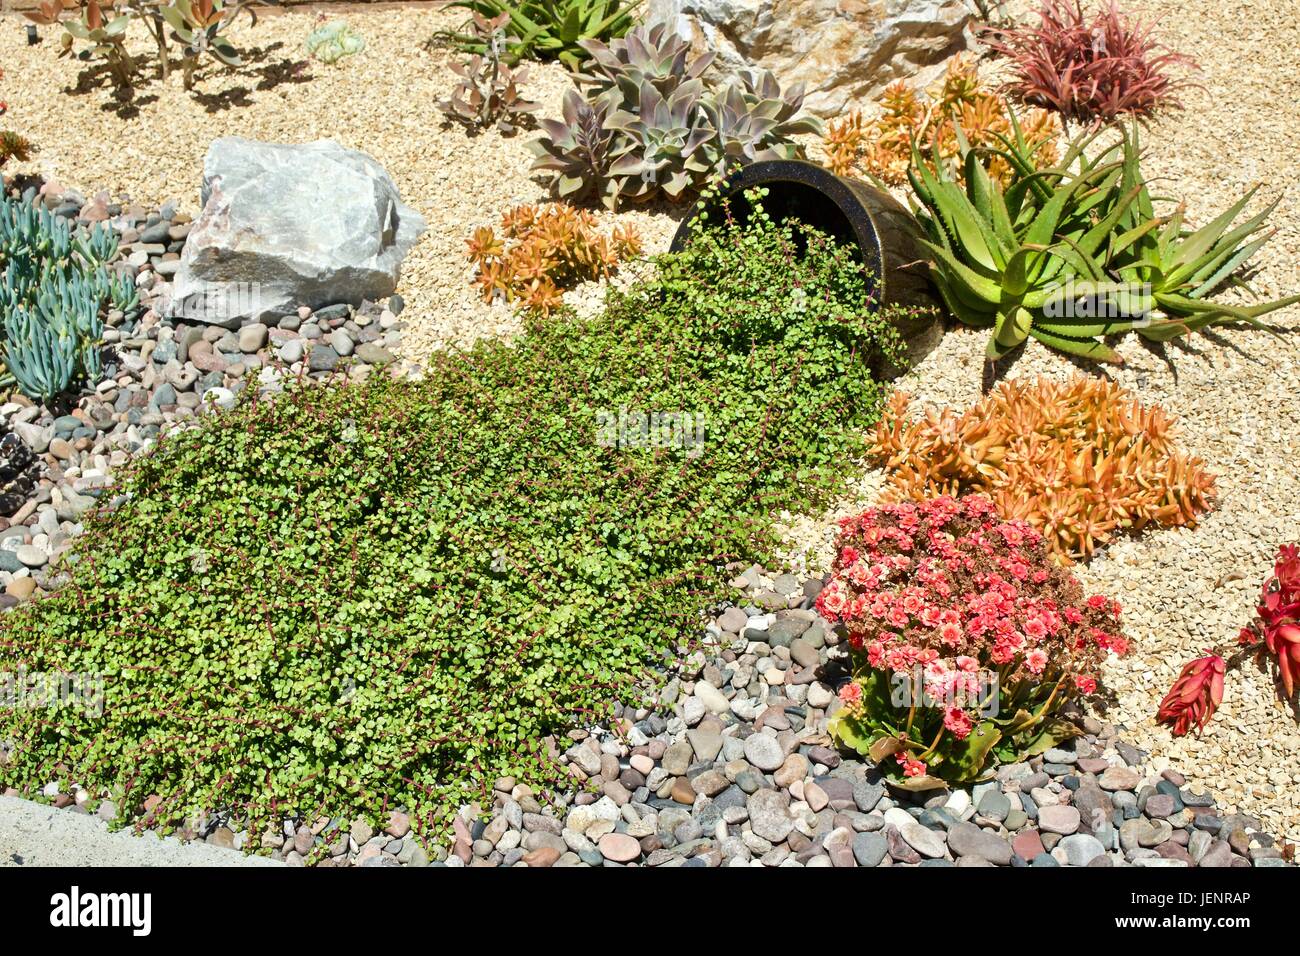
(842, 50)
(288, 225)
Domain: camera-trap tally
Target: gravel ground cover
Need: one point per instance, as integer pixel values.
(1233, 390)
(161, 374)
(734, 768)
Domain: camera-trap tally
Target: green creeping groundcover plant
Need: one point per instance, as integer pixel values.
(351, 598)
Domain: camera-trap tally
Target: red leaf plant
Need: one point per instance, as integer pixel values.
(1272, 637)
(1195, 695)
(1089, 70)
(1275, 632)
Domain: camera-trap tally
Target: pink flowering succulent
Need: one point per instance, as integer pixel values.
(966, 639)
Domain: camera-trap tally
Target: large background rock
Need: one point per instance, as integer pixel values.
(288, 225)
(841, 49)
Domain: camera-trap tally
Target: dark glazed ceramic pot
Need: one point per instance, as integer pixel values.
(855, 212)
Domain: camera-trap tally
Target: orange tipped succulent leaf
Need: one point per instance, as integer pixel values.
(545, 250)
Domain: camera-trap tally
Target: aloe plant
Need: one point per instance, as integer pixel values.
(547, 29)
(1073, 253)
(107, 38)
(1182, 266)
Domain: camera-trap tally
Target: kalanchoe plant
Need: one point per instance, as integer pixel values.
(1271, 639)
(967, 641)
(106, 35)
(200, 26)
(488, 91)
(1090, 70)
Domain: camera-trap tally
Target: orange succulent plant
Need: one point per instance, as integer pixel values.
(542, 250)
(883, 147)
(1082, 461)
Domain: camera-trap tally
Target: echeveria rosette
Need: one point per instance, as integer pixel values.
(668, 125)
(966, 614)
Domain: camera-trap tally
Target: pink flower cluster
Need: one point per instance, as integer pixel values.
(946, 589)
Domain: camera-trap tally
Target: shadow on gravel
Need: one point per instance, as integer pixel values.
(995, 372)
(1166, 352)
(264, 69)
